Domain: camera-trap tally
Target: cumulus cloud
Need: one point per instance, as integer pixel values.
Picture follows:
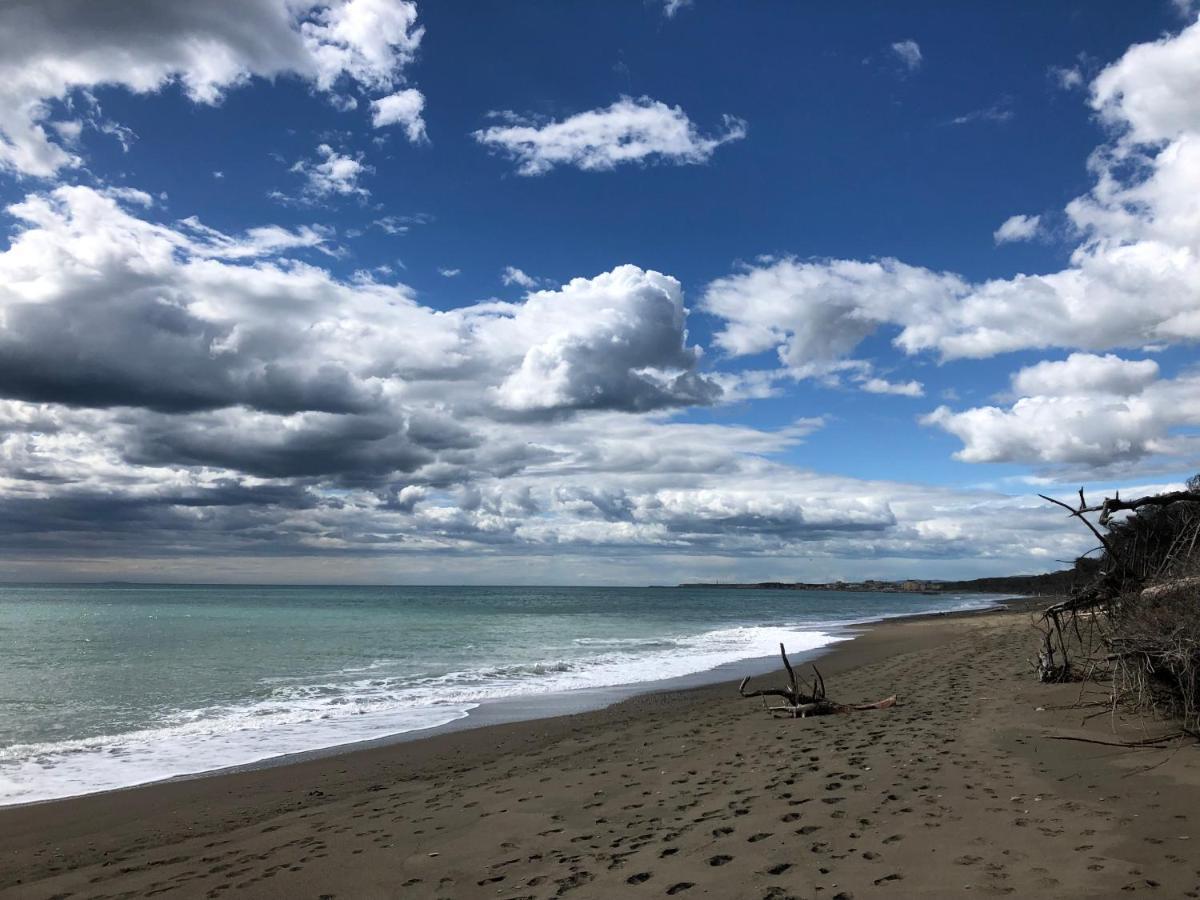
(1084, 412)
(637, 360)
(628, 131)
(402, 108)
(1017, 228)
(909, 53)
(1088, 431)
(815, 313)
(1149, 93)
(1086, 373)
(1131, 282)
(51, 50)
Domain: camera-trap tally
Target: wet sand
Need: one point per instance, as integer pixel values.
(959, 791)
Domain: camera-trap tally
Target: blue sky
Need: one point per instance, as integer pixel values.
(843, 175)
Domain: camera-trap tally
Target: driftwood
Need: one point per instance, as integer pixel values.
(1116, 504)
(1137, 624)
(801, 701)
(1053, 662)
(1167, 588)
(1084, 508)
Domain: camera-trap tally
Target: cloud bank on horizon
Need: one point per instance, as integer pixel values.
(244, 391)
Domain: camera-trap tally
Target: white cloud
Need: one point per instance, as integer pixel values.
(1131, 282)
(1017, 228)
(1084, 412)
(816, 313)
(69, 131)
(512, 275)
(1067, 77)
(1150, 92)
(449, 273)
(402, 108)
(1000, 111)
(631, 356)
(397, 225)
(641, 130)
(1086, 373)
(332, 174)
(670, 7)
(909, 53)
(1081, 431)
(369, 41)
(897, 388)
(52, 50)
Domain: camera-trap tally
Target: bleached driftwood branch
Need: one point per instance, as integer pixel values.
(809, 701)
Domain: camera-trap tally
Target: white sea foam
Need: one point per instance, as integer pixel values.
(297, 717)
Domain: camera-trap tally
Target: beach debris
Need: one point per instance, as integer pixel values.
(801, 701)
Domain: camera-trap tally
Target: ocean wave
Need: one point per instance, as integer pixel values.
(302, 717)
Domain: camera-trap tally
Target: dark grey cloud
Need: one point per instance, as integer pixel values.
(137, 351)
(353, 447)
(52, 50)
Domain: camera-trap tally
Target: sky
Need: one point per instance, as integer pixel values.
(624, 292)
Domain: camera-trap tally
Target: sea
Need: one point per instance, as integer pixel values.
(108, 686)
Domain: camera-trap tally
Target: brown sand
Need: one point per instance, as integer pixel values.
(955, 793)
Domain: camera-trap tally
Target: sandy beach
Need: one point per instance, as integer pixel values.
(961, 790)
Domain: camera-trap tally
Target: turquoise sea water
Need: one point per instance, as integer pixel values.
(114, 685)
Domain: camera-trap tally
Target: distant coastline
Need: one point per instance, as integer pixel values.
(1047, 583)
(888, 587)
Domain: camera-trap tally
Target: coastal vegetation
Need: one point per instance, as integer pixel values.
(1135, 624)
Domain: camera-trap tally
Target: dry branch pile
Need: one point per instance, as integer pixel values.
(801, 701)
(1137, 622)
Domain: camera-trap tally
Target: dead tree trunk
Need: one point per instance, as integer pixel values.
(807, 700)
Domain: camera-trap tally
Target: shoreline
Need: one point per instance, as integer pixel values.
(95, 826)
(692, 792)
(544, 705)
(578, 701)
